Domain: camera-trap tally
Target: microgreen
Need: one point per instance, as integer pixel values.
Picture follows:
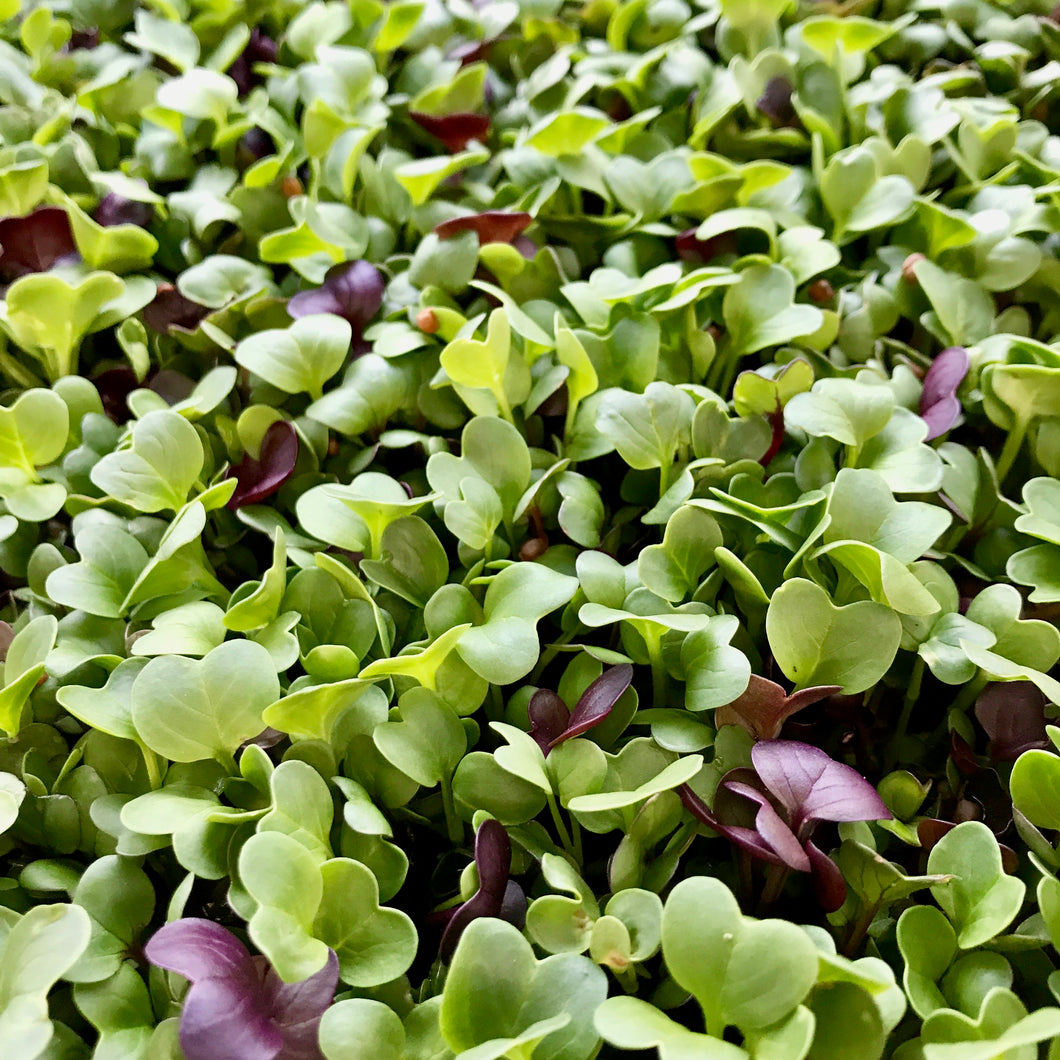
(543, 513)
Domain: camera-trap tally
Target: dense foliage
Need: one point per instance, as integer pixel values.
(530, 529)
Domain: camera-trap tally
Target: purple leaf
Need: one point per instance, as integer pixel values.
(492, 226)
(276, 461)
(747, 838)
(261, 48)
(813, 787)
(82, 40)
(493, 859)
(34, 243)
(548, 717)
(237, 1007)
(352, 290)
(770, 828)
(115, 209)
(764, 707)
(170, 385)
(775, 103)
(198, 949)
(939, 406)
(1013, 715)
(596, 702)
(169, 309)
(456, 131)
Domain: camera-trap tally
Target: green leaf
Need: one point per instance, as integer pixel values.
(844, 409)
(491, 364)
(374, 945)
(117, 248)
(426, 742)
(301, 358)
(743, 972)
(421, 177)
(497, 990)
(647, 428)
(158, 469)
(1035, 787)
(760, 311)
(715, 672)
(816, 643)
(199, 93)
(24, 668)
(981, 900)
(111, 561)
(673, 570)
(187, 709)
(22, 186)
(362, 1029)
(859, 198)
(301, 807)
(286, 882)
(40, 948)
(963, 308)
(567, 132)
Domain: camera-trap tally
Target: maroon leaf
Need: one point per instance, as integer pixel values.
(810, 786)
(548, 717)
(770, 828)
(237, 1007)
(596, 702)
(456, 131)
(169, 310)
(1013, 715)
(764, 707)
(114, 386)
(276, 461)
(493, 859)
(939, 406)
(352, 290)
(697, 251)
(261, 48)
(34, 243)
(492, 226)
(170, 385)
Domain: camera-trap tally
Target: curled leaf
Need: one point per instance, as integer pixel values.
(492, 226)
(353, 291)
(34, 243)
(939, 406)
(456, 131)
(276, 461)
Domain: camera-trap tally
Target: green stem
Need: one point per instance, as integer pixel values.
(775, 878)
(151, 762)
(658, 676)
(561, 828)
(1013, 444)
(576, 833)
(912, 694)
(453, 825)
(495, 707)
(970, 693)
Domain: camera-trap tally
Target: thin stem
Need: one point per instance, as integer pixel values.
(912, 694)
(551, 652)
(561, 828)
(859, 929)
(776, 875)
(1013, 444)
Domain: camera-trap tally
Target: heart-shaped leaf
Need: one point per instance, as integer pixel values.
(817, 643)
(188, 709)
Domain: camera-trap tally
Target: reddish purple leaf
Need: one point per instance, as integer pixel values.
(1013, 715)
(35, 243)
(276, 461)
(939, 406)
(764, 707)
(492, 226)
(548, 717)
(698, 251)
(596, 702)
(828, 882)
(810, 786)
(493, 859)
(170, 385)
(237, 1007)
(769, 826)
(352, 290)
(456, 131)
(729, 803)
